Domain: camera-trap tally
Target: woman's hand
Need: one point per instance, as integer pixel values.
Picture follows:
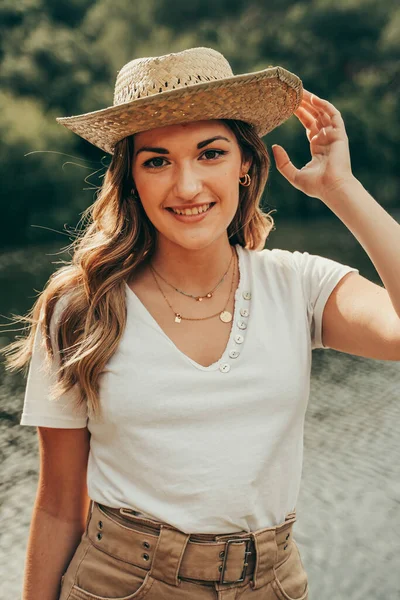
(330, 167)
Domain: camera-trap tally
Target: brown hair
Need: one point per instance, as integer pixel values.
(118, 238)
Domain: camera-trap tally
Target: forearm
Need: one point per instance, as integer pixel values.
(51, 545)
(377, 232)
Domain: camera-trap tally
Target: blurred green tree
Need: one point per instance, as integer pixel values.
(62, 58)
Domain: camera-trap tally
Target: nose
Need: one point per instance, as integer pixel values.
(187, 183)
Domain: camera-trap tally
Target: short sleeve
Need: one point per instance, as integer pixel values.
(38, 408)
(319, 277)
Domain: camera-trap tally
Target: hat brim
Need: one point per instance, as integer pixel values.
(265, 99)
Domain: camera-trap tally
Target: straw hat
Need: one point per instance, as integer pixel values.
(191, 85)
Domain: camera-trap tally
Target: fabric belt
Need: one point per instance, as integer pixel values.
(223, 558)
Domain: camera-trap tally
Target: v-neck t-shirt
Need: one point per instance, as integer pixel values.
(213, 449)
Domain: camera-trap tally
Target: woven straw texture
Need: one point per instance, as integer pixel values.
(195, 84)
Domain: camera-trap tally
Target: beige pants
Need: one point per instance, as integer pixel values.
(126, 557)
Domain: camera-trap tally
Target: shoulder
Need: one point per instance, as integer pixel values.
(275, 260)
(288, 261)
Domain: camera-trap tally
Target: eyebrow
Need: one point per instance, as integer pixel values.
(165, 151)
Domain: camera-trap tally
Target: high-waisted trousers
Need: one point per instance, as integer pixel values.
(122, 556)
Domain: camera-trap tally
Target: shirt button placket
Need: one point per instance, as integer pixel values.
(239, 338)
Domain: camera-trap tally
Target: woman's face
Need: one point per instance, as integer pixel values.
(193, 166)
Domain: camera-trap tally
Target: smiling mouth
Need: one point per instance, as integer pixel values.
(188, 212)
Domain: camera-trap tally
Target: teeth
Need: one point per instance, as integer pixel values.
(192, 211)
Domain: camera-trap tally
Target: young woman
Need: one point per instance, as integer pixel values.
(170, 361)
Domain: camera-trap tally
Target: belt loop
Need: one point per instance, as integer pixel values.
(171, 545)
(88, 516)
(266, 557)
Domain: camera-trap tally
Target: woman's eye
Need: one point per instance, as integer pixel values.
(217, 152)
(208, 154)
(150, 162)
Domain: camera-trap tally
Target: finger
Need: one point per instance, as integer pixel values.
(334, 121)
(321, 138)
(308, 108)
(306, 117)
(329, 117)
(329, 109)
(317, 101)
(321, 116)
(284, 164)
(306, 101)
(312, 124)
(321, 103)
(308, 121)
(322, 141)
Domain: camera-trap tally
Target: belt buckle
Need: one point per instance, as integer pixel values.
(245, 565)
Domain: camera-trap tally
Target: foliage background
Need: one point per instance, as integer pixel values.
(61, 58)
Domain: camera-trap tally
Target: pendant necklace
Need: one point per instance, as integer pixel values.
(224, 315)
(198, 298)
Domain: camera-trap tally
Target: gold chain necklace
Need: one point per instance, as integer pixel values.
(224, 315)
(198, 298)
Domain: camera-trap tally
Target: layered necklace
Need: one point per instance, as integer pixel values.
(224, 314)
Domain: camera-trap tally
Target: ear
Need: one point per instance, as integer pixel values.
(245, 167)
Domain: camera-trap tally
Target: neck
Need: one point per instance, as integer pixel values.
(195, 271)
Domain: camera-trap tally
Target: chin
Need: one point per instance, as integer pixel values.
(195, 240)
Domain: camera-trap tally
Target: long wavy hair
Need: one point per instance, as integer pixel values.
(118, 237)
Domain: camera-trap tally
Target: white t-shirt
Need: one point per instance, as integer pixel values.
(214, 449)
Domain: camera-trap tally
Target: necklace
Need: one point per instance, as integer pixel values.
(224, 315)
(198, 298)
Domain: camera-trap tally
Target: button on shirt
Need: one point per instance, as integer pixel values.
(212, 449)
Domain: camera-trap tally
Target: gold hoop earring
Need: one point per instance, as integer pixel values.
(247, 180)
